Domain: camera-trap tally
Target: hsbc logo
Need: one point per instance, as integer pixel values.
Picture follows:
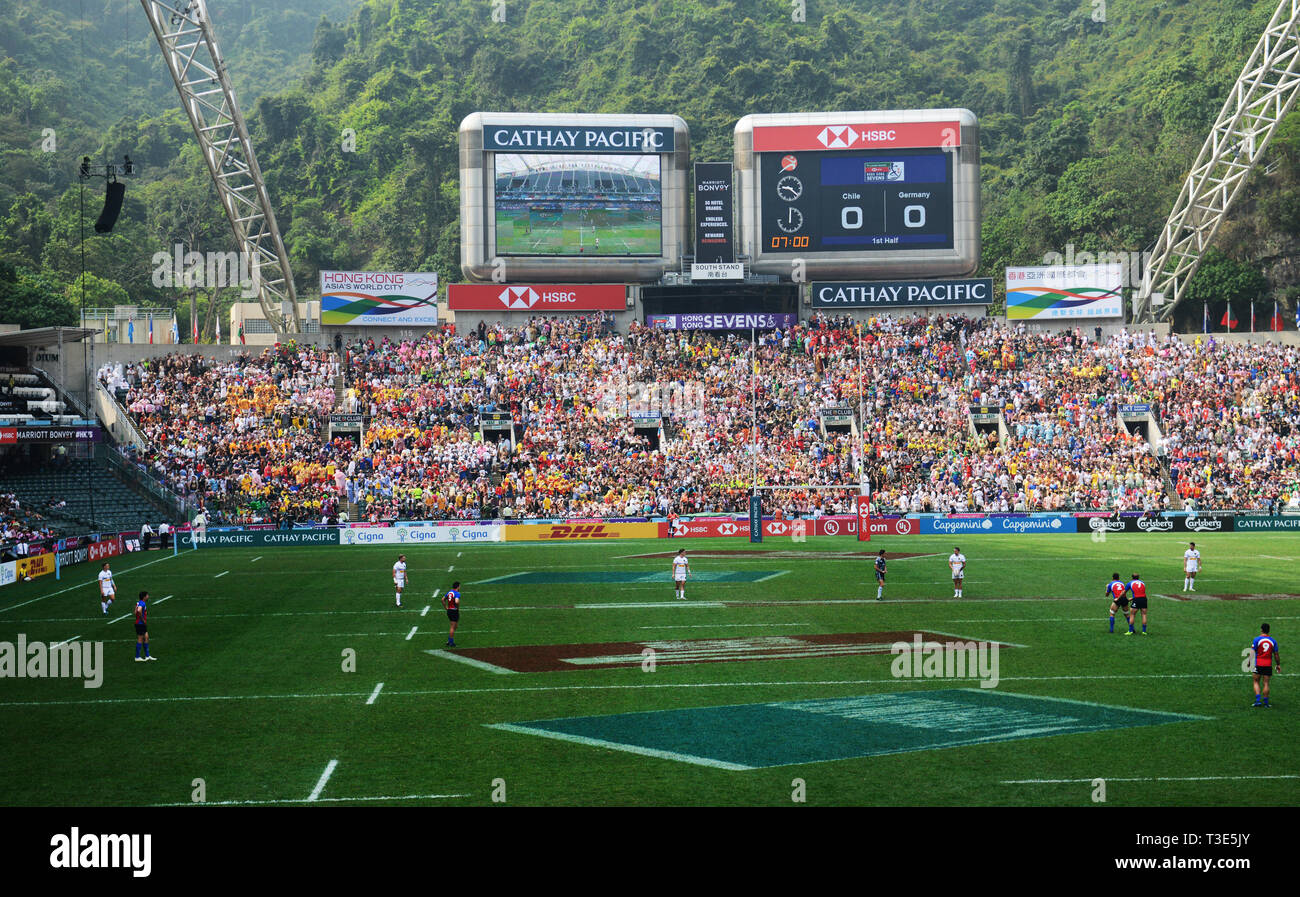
(728, 529)
(776, 528)
(523, 298)
(679, 528)
(519, 297)
(837, 136)
(845, 136)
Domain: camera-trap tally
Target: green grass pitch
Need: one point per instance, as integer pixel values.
(250, 693)
(619, 232)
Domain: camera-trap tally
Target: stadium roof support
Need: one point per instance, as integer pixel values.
(1263, 95)
(189, 48)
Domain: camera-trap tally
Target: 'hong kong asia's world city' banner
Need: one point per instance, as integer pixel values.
(1070, 292)
(390, 298)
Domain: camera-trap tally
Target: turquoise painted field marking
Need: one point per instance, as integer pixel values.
(791, 733)
(577, 577)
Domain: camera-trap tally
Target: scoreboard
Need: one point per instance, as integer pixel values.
(856, 202)
(860, 194)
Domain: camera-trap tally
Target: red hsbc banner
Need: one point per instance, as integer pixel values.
(8, 435)
(893, 526)
(537, 297)
(719, 527)
(108, 548)
(874, 135)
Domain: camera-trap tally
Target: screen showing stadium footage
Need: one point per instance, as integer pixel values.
(856, 201)
(578, 205)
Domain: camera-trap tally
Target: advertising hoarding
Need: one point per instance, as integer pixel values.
(1055, 292)
(388, 298)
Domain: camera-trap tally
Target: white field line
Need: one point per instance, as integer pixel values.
(322, 800)
(665, 604)
(386, 634)
(618, 746)
(425, 612)
(161, 600)
(375, 694)
(480, 664)
(66, 641)
(725, 625)
(1142, 779)
(83, 585)
(118, 620)
(324, 778)
(221, 574)
(410, 635)
(804, 683)
(256, 559)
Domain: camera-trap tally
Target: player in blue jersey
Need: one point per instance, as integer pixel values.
(880, 575)
(451, 603)
(142, 628)
(1266, 663)
(1117, 591)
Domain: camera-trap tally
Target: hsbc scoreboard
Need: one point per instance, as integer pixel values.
(859, 194)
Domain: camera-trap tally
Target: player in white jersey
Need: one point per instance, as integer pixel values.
(1191, 566)
(957, 564)
(106, 588)
(681, 567)
(399, 577)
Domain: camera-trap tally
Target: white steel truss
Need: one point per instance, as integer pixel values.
(1263, 95)
(189, 48)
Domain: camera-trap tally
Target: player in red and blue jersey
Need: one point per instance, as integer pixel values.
(1138, 589)
(1117, 591)
(142, 628)
(451, 603)
(1266, 663)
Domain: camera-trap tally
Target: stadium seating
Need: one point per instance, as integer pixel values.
(250, 437)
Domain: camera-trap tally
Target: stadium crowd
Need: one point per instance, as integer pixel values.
(249, 436)
(19, 527)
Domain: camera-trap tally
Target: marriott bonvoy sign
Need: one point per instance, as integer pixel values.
(536, 297)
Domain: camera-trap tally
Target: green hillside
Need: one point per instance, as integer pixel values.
(1088, 127)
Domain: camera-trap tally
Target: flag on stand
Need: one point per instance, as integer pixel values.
(1228, 320)
(1252, 316)
(151, 329)
(130, 331)
(1205, 319)
(1276, 322)
(242, 340)
(176, 332)
(217, 326)
(194, 329)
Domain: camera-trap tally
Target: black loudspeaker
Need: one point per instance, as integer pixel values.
(112, 207)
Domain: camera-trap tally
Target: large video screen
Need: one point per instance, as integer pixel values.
(856, 201)
(577, 205)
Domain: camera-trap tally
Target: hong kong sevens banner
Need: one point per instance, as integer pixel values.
(404, 299)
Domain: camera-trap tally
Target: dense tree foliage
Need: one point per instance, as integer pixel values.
(1087, 127)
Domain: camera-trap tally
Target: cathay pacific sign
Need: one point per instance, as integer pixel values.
(902, 293)
(561, 138)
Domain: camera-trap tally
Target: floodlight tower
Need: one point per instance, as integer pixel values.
(184, 32)
(1263, 95)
